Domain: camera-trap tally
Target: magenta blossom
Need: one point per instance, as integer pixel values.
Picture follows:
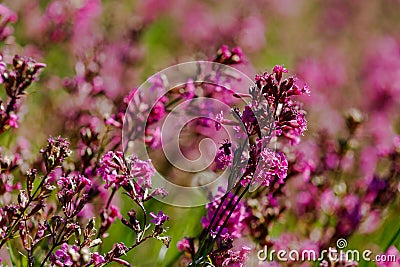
(65, 256)
(117, 171)
(273, 166)
(97, 258)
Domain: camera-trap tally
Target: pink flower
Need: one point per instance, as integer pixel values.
(272, 166)
(329, 202)
(223, 160)
(237, 258)
(142, 171)
(279, 93)
(390, 259)
(97, 258)
(113, 169)
(158, 111)
(7, 15)
(225, 55)
(252, 35)
(183, 245)
(218, 120)
(153, 137)
(371, 222)
(13, 120)
(159, 192)
(84, 31)
(114, 213)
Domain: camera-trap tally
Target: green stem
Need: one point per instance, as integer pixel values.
(392, 240)
(12, 255)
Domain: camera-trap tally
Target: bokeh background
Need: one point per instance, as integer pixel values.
(347, 51)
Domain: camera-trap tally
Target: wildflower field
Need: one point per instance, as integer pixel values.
(199, 133)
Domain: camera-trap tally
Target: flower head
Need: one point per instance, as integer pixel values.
(272, 167)
(65, 256)
(225, 55)
(97, 259)
(56, 151)
(117, 170)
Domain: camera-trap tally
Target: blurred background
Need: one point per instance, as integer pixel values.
(347, 51)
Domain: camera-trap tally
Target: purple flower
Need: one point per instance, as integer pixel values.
(97, 258)
(248, 117)
(65, 256)
(159, 219)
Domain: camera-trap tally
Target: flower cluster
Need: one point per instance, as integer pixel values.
(61, 222)
(229, 56)
(289, 117)
(15, 81)
(72, 194)
(134, 176)
(273, 113)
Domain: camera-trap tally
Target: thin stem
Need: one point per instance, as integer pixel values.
(100, 247)
(392, 239)
(228, 207)
(110, 198)
(56, 243)
(213, 220)
(31, 198)
(48, 255)
(204, 233)
(226, 220)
